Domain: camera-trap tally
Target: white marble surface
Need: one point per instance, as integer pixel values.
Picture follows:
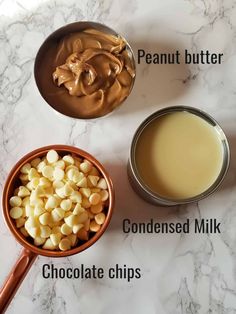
(180, 273)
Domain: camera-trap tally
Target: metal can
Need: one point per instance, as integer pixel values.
(141, 187)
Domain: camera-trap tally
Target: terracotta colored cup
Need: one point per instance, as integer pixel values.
(30, 251)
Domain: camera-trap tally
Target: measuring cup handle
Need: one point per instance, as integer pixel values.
(15, 278)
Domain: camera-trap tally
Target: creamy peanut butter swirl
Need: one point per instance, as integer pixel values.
(98, 71)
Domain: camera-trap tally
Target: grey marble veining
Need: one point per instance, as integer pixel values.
(183, 273)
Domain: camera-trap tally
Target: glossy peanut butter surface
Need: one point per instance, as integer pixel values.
(87, 73)
(179, 155)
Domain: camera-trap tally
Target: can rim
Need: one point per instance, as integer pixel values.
(171, 201)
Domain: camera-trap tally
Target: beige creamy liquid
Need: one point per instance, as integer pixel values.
(179, 155)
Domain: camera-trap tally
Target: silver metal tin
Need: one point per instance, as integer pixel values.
(60, 33)
(139, 185)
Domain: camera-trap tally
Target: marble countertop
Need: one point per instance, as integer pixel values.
(185, 273)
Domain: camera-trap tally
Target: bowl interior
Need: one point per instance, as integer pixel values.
(44, 78)
(13, 181)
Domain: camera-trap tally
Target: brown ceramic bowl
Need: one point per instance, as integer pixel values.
(31, 251)
(44, 79)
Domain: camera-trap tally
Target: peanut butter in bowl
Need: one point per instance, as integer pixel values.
(85, 70)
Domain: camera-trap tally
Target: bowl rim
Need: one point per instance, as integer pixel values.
(12, 176)
(81, 26)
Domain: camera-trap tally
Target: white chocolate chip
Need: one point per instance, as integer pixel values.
(94, 172)
(68, 159)
(45, 219)
(82, 234)
(57, 184)
(39, 241)
(34, 183)
(69, 167)
(25, 168)
(34, 163)
(73, 239)
(94, 227)
(65, 229)
(23, 191)
(85, 166)
(24, 177)
(45, 231)
(77, 176)
(38, 210)
(29, 210)
(60, 164)
(60, 192)
(33, 232)
(33, 173)
(82, 183)
(96, 209)
(102, 184)
(55, 238)
(52, 156)
(48, 245)
(66, 204)
(68, 190)
(29, 186)
(85, 203)
(82, 217)
(58, 174)
(44, 182)
(25, 201)
(20, 222)
(16, 212)
(31, 222)
(52, 202)
(100, 218)
(36, 200)
(93, 180)
(64, 244)
(71, 220)
(39, 192)
(48, 172)
(76, 228)
(104, 195)
(57, 214)
(76, 197)
(85, 191)
(41, 166)
(78, 209)
(95, 198)
(15, 201)
(70, 173)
